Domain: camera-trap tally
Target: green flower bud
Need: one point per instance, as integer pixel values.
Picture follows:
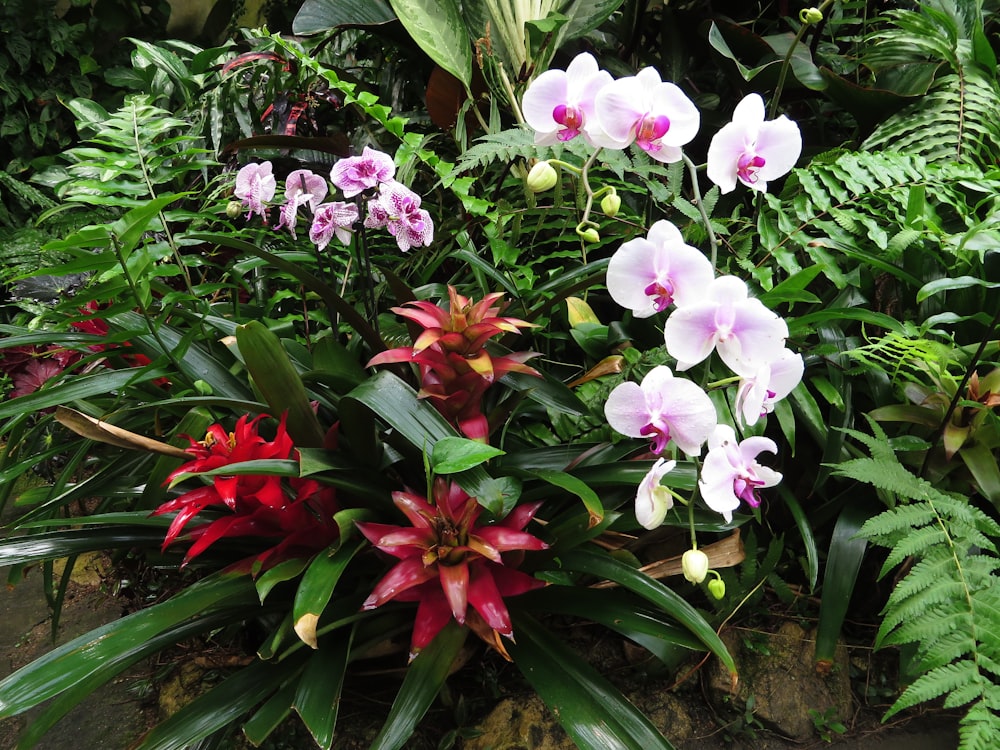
(234, 209)
(589, 235)
(542, 177)
(810, 15)
(694, 563)
(717, 588)
(610, 204)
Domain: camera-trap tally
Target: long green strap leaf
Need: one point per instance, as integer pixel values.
(591, 710)
(77, 660)
(424, 678)
(605, 566)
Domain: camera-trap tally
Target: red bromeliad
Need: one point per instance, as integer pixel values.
(299, 514)
(448, 562)
(455, 368)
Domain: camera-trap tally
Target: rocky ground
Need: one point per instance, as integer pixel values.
(779, 703)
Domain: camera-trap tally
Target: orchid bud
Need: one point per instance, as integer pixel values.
(694, 563)
(717, 588)
(589, 235)
(234, 209)
(610, 205)
(542, 177)
(810, 15)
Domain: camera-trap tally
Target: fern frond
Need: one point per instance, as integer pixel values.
(505, 146)
(980, 727)
(948, 603)
(955, 121)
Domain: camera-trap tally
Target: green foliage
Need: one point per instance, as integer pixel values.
(948, 603)
(47, 59)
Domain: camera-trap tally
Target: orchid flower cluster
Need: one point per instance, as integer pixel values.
(390, 205)
(655, 116)
(660, 272)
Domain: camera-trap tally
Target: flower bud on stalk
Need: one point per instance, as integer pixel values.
(694, 563)
(234, 209)
(717, 588)
(542, 177)
(810, 15)
(589, 235)
(611, 204)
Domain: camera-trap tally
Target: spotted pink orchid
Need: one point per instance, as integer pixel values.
(744, 332)
(453, 566)
(255, 186)
(298, 516)
(333, 220)
(355, 174)
(731, 474)
(757, 393)
(302, 188)
(662, 408)
(751, 150)
(455, 367)
(397, 209)
(559, 104)
(648, 274)
(654, 114)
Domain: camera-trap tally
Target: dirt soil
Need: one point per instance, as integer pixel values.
(114, 717)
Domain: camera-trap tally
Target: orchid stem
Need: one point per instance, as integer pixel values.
(787, 62)
(712, 240)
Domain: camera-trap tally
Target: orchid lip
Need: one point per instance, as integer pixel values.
(651, 129)
(571, 118)
(747, 167)
(662, 294)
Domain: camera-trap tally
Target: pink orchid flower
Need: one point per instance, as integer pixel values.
(757, 394)
(332, 219)
(559, 104)
(255, 186)
(653, 500)
(662, 408)
(356, 174)
(752, 150)
(731, 473)
(745, 333)
(302, 188)
(397, 208)
(654, 114)
(451, 564)
(648, 274)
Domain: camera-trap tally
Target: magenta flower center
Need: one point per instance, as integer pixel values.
(743, 488)
(662, 293)
(747, 167)
(658, 432)
(651, 128)
(571, 118)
